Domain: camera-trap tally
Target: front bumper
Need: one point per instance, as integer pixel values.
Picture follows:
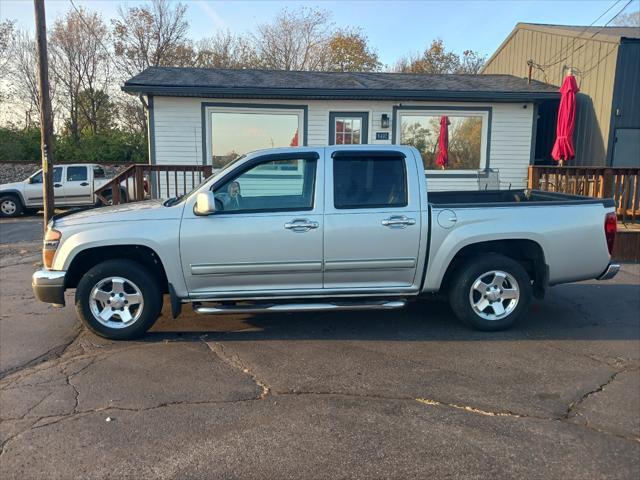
(611, 271)
(48, 286)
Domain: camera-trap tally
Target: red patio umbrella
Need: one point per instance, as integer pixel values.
(563, 148)
(294, 140)
(443, 142)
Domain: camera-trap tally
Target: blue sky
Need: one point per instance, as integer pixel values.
(394, 28)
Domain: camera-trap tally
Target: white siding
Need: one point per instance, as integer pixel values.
(178, 132)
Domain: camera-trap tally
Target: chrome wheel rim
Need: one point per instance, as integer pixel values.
(116, 302)
(494, 295)
(8, 207)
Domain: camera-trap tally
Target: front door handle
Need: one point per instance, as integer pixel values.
(57, 185)
(301, 225)
(84, 184)
(398, 221)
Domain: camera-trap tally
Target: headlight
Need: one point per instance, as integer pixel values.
(50, 245)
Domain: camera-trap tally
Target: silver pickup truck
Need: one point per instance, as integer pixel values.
(329, 228)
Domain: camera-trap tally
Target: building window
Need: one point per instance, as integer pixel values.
(348, 128)
(234, 131)
(467, 137)
(363, 182)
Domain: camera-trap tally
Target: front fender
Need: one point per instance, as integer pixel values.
(13, 191)
(161, 236)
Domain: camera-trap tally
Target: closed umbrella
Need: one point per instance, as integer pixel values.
(294, 140)
(563, 148)
(443, 143)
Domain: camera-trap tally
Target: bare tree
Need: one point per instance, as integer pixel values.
(152, 36)
(23, 83)
(149, 36)
(80, 63)
(7, 28)
(630, 19)
(294, 40)
(225, 50)
(471, 62)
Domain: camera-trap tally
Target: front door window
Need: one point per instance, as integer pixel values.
(275, 185)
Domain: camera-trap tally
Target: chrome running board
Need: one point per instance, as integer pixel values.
(300, 307)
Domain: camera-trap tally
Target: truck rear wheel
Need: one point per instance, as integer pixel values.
(490, 293)
(118, 299)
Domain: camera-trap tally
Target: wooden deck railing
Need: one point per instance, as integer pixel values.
(144, 182)
(621, 184)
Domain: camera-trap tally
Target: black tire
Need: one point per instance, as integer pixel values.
(463, 297)
(10, 206)
(136, 275)
(108, 196)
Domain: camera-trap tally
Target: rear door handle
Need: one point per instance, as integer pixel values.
(301, 225)
(84, 184)
(398, 221)
(57, 185)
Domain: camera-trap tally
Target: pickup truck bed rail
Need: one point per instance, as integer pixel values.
(510, 198)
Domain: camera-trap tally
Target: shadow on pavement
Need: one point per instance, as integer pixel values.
(581, 312)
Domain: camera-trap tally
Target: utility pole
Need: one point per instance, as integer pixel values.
(46, 120)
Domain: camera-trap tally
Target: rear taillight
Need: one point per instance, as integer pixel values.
(610, 228)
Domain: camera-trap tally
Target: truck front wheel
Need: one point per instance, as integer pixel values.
(490, 293)
(118, 299)
(10, 206)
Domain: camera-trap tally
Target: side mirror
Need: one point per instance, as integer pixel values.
(205, 204)
(30, 180)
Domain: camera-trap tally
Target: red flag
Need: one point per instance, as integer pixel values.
(443, 142)
(563, 148)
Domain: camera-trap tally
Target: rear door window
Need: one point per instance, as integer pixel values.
(369, 182)
(76, 174)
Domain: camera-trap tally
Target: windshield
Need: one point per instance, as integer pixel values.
(182, 198)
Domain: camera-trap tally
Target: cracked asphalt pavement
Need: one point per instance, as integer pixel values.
(403, 394)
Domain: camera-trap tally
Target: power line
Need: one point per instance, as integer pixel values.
(553, 61)
(559, 52)
(598, 62)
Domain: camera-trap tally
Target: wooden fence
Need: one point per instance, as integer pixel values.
(621, 184)
(144, 182)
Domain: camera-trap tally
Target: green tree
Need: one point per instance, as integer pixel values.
(97, 112)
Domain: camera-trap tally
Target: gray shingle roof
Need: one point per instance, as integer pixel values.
(223, 83)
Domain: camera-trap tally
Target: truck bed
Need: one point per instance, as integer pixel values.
(502, 198)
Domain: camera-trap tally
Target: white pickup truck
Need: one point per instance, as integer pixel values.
(327, 228)
(73, 186)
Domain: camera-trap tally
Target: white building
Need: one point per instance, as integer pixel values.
(205, 116)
